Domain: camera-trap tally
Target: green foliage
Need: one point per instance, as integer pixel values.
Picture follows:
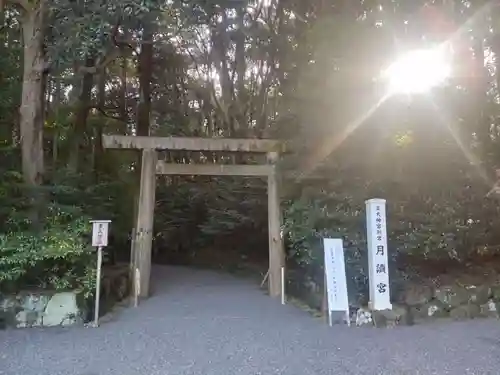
(312, 216)
(57, 258)
(194, 213)
(10, 76)
(431, 219)
(95, 28)
(286, 69)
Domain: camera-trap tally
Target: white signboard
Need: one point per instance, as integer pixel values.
(100, 232)
(336, 283)
(378, 265)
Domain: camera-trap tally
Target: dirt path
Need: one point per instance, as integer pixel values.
(204, 323)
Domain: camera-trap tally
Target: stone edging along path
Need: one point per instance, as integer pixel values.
(425, 301)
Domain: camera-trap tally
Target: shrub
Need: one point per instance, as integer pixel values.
(309, 219)
(57, 258)
(440, 219)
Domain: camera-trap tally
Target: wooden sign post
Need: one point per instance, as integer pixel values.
(99, 240)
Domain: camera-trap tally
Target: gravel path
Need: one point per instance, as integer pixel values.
(204, 323)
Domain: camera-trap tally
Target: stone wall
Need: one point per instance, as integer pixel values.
(417, 301)
(40, 309)
(425, 301)
(43, 308)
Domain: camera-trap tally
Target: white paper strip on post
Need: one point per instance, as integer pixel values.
(378, 265)
(336, 282)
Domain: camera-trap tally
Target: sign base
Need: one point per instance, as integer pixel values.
(371, 307)
(339, 317)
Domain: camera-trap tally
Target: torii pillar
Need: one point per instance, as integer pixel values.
(276, 248)
(143, 233)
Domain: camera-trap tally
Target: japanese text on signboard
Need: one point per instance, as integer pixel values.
(335, 277)
(380, 255)
(100, 233)
(333, 280)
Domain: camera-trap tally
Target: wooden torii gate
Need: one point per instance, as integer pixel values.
(143, 233)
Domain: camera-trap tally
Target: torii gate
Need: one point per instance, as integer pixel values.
(143, 233)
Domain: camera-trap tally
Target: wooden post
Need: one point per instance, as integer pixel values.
(276, 254)
(324, 302)
(132, 255)
(144, 229)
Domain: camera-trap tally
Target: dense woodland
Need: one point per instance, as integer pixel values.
(305, 72)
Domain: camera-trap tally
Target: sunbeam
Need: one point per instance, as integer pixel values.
(333, 143)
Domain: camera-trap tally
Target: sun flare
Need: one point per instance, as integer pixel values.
(418, 71)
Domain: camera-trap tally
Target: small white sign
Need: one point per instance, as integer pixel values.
(378, 265)
(100, 232)
(336, 282)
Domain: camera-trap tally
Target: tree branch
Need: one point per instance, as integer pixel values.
(103, 112)
(101, 63)
(25, 4)
(112, 55)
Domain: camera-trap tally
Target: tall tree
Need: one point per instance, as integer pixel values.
(33, 18)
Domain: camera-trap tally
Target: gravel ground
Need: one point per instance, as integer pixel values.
(204, 323)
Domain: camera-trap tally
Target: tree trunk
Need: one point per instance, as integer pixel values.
(145, 73)
(77, 152)
(123, 92)
(241, 69)
(479, 89)
(101, 102)
(31, 112)
(219, 39)
(495, 46)
(56, 107)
